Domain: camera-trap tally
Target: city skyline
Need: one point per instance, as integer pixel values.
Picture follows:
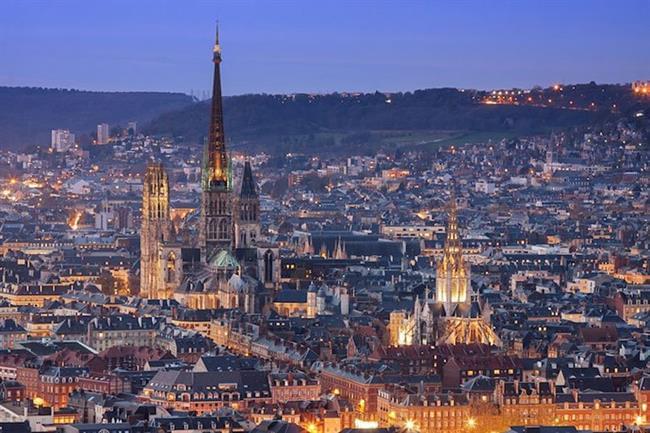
(437, 261)
(340, 46)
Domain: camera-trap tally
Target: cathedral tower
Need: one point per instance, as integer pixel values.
(247, 219)
(156, 228)
(216, 229)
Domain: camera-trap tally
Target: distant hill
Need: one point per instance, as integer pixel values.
(333, 122)
(281, 123)
(28, 114)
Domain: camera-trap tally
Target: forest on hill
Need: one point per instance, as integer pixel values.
(283, 123)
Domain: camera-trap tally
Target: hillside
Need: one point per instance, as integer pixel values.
(301, 122)
(28, 114)
(283, 123)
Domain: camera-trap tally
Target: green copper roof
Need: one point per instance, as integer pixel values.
(223, 259)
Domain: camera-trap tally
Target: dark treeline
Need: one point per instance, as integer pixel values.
(274, 119)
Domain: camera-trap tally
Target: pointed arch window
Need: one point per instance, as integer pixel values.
(212, 229)
(171, 267)
(269, 261)
(223, 229)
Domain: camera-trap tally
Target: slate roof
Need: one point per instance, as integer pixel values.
(228, 363)
(277, 426)
(208, 382)
(479, 384)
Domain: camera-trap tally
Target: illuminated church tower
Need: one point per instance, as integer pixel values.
(453, 273)
(463, 321)
(156, 228)
(216, 228)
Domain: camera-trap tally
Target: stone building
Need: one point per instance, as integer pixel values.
(455, 315)
(160, 259)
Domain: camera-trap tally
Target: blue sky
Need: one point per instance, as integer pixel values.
(286, 46)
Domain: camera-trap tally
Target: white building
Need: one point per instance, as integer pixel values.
(484, 186)
(102, 133)
(39, 420)
(582, 285)
(78, 186)
(62, 140)
(412, 231)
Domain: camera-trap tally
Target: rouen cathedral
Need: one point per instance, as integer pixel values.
(230, 266)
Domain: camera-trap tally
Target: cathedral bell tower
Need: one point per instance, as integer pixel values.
(216, 228)
(156, 228)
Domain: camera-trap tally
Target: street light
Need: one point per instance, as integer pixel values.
(409, 424)
(471, 423)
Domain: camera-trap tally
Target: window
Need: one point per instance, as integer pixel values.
(212, 229)
(223, 229)
(269, 260)
(171, 267)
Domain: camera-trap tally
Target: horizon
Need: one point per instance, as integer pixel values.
(165, 46)
(340, 92)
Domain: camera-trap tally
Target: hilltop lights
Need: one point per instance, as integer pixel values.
(641, 88)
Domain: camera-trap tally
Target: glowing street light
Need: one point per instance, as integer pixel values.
(471, 423)
(409, 424)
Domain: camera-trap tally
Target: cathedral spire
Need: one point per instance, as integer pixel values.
(216, 223)
(216, 39)
(216, 174)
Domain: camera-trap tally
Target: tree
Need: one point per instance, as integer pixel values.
(107, 282)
